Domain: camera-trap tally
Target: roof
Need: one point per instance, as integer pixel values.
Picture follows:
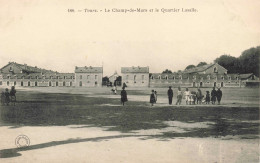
(26, 68)
(89, 69)
(245, 76)
(135, 69)
(198, 69)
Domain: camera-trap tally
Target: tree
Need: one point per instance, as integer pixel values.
(167, 71)
(201, 64)
(249, 61)
(229, 62)
(190, 67)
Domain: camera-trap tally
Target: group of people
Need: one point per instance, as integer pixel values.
(195, 97)
(7, 97)
(190, 97)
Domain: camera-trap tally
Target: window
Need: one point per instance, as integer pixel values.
(222, 77)
(80, 83)
(152, 77)
(64, 84)
(236, 78)
(88, 77)
(159, 77)
(80, 76)
(166, 77)
(96, 77)
(70, 83)
(8, 77)
(229, 77)
(36, 84)
(64, 77)
(1, 83)
(29, 83)
(15, 83)
(180, 77)
(173, 78)
(50, 84)
(215, 69)
(50, 77)
(36, 77)
(21, 83)
(57, 84)
(7, 83)
(126, 77)
(134, 78)
(142, 77)
(194, 77)
(11, 68)
(208, 77)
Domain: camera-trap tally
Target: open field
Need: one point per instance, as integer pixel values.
(90, 125)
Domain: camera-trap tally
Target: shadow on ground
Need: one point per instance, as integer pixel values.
(42, 109)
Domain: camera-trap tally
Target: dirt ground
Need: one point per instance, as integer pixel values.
(90, 125)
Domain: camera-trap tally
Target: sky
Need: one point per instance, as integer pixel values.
(43, 33)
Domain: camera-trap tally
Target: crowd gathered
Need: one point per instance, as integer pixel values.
(190, 97)
(8, 97)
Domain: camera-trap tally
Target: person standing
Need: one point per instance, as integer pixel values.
(170, 95)
(199, 96)
(219, 95)
(207, 97)
(213, 95)
(123, 96)
(7, 96)
(179, 96)
(152, 98)
(155, 94)
(2, 98)
(187, 95)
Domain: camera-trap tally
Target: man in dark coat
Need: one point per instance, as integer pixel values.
(213, 95)
(123, 96)
(219, 95)
(170, 94)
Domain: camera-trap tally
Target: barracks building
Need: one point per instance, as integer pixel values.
(211, 75)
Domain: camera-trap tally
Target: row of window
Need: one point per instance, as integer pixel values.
(80, 83)
(127, 77)
(88, 76)
(194, 77)
(43, 77)
(36, 83)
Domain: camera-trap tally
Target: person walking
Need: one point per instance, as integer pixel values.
(170, 95)
(152, 98)
(213, 95)
(123, 96)
(187, 95)
(219, 95)
(179, 96)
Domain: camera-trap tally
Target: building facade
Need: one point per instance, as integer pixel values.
(88, 76)
(211, 75)
(135, 76)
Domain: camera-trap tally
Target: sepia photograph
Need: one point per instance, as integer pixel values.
(129, 81)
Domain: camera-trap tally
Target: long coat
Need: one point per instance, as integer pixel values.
(152, 98)
(123, 96)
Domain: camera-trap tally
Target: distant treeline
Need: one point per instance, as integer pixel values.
(247, 62)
